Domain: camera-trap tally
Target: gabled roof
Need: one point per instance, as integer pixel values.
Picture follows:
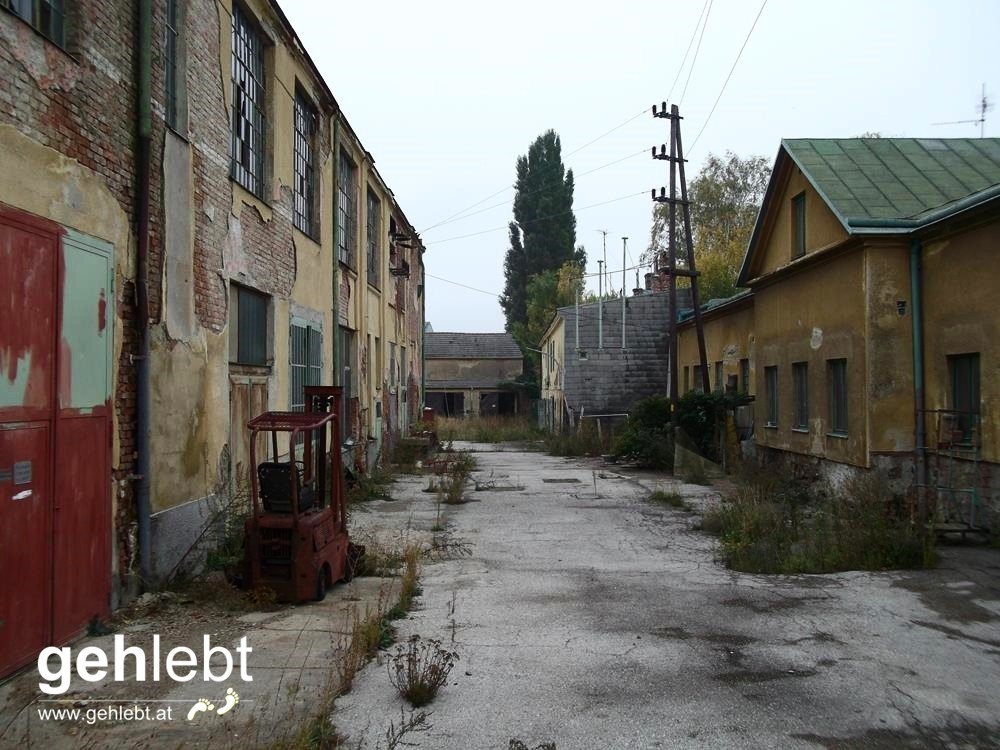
(447, 345)
(888, 185)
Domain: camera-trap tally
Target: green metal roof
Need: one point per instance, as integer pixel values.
(897, 183)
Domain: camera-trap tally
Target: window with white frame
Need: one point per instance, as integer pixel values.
(303, 152)
(248, 103)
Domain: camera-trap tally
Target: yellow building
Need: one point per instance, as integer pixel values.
(874, 327)
(470, 374)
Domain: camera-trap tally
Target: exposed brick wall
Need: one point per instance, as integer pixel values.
(82, 103)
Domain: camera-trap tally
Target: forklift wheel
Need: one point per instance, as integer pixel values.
(321, 584)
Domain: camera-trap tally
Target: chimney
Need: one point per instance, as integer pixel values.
(649, 281)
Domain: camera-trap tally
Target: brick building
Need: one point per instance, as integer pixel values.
(218, 193)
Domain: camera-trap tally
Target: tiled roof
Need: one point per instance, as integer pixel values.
(470, 346)
(918, 179)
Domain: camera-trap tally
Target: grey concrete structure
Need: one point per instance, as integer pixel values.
(609, 379)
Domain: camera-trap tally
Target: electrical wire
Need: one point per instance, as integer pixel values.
(533, 192)
(454, 216)
(726, 83)
(464, 286)
(696, 49)
(694, 33)
(540, 218)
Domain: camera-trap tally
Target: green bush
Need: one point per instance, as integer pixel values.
(647, 437)
(700, 415)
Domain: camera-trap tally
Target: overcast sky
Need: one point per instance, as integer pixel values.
(446, 95)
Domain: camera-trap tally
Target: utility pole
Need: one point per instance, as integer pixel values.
(676, 160)
(624, 250)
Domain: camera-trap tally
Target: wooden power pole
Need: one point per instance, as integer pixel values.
(686, 267)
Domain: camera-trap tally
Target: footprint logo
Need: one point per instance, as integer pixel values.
(232, 698)
(200, 707)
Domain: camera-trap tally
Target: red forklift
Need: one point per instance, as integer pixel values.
(296, 536)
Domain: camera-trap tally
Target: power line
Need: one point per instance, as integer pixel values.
(696, 49)
(464, 286)
(540, 218)
(694, 33)
(540, 190)
(726, 83)
(636, 116)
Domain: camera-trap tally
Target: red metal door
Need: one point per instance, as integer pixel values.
(28, 251)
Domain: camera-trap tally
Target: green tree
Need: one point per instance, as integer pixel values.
(542, 235)
(546, 291)
(725, 198)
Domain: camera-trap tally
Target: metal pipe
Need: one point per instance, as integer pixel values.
(142, 407)
(338, 365)
(577, 320)
(920, 426)
(600, 305)
(624, 250)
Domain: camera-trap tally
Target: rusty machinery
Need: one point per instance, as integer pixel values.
(296, 536)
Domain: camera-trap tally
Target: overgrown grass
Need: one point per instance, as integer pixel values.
(764, 528)
(371, 486)
(673, 499)
(489, 429)
(696, 474)
(585, 442)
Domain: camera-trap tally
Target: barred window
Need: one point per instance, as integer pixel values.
(48, 16)
(347, 209)
(800, 379)
(374, 237)
(771, 388)
(305, 175)
(248, 104)
(837, 377)
(248, 323)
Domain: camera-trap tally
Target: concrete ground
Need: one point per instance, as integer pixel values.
(294, 658)
(589, 618)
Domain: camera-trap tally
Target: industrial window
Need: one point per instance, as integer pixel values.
(799, 225)
(347, 358)
(964, 370)
(347, 209)
(404, 376)
(248, 311)
(719, 385)
(392, 364)
(305, 359)
(771, 388)
(173, 64)
(837, 376)
(745, 375)
(47, 16)
(248, 104)
(304, 199)
(374, 237)
(800, 380)
(687, 378)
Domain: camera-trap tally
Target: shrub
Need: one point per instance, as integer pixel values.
(419, 669)
(647, 437)
(673, 499)
(582, 442)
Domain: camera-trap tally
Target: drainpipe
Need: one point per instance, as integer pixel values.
(142, 407)
(338, 369)
(920, 437)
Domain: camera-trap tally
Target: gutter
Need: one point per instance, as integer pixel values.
(920, 427)
(144, 126)
(338, 370)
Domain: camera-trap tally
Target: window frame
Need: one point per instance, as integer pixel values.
(347, 209)
(240, 317)
(247, 162)
(373, 235)
(837, 394)
(175, 66)
(305, 126)
(966, 419)
(745, 375)
(719, 374)
(800, 387)
(771, 392)
(30, 12)
(799, 225)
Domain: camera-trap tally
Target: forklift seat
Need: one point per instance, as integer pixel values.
(276, 487)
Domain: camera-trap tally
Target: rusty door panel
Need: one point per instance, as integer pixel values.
(82, 521)
(24, 542)
(27, 317)
(82, 499)
(247, 399)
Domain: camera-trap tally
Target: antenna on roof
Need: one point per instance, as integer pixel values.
(985, 105)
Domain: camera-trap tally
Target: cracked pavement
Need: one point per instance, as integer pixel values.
(589, 618)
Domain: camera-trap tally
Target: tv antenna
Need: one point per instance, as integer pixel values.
(985, 105)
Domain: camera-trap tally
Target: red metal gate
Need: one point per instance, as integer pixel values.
(55, 378)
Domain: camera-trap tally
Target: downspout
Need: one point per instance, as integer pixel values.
(142, 407)
(338, 370)
(920, 427)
